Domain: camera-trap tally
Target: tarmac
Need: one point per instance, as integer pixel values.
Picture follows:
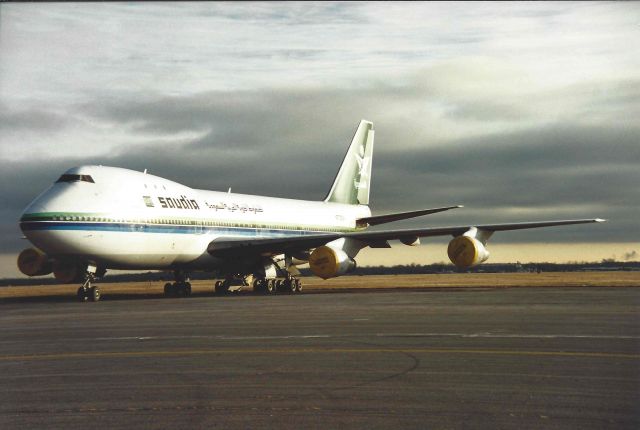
(553, 358)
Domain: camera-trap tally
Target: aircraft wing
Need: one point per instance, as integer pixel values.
(232, 247)
(458, 230)
(382, 219)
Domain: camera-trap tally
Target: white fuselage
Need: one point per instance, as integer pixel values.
(123, 219)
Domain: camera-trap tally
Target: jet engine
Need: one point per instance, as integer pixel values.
(465, 252)
(33, 262)
(299, 258)
(410, 240)
(69, 272)
(326, 262)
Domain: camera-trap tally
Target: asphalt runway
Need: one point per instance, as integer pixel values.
(558, 358)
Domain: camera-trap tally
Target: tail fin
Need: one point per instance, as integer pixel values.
(353, 180)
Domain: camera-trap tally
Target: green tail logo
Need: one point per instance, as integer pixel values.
(353, 181)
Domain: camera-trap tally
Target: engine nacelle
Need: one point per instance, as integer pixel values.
(410, 240)
(69, 272)
(33, 262)
(299, 258)
(465, 252)
(326, 262)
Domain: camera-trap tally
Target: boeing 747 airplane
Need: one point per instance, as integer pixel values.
(95, 218)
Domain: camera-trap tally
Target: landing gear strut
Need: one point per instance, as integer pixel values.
(87, 292)
(180, 288)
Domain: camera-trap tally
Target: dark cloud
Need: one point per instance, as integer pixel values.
(30, 120)
(568, 165)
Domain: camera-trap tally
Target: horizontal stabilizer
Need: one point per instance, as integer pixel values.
(383, 219)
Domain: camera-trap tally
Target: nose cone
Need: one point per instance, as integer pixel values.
(31, 225)
(51, 200)
(34, 216)
(37, 206)
(40, 221)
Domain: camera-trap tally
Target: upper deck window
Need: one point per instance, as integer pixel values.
(75, 178)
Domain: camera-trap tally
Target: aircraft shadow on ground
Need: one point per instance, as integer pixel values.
(109, 297)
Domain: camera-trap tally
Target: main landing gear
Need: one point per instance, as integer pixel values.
(267, 286)
(232, 284)
(180, 288)
(289, 284)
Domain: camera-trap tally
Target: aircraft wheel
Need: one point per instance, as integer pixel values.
(183, 289)
(168, 289)
(94, 294)
(180, 290)
(298, 285)
(270, 286)
(288, 285)
(82, 294)
(257, 285)
(222, 287)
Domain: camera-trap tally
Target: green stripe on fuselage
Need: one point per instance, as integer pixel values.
(171, 220)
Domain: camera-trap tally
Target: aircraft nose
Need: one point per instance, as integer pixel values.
(36, 206)
(39, 205)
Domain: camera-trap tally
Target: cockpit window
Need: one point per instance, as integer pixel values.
(75, 178)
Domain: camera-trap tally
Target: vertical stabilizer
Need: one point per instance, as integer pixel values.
(353, 180)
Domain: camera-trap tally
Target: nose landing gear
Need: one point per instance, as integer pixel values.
(88, 292)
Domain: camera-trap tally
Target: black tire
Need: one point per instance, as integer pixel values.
(270, 287)
(179, 290)
(222, 288)
(298, 285)
(82, 294)
(168, 290)
(187, 289)
(257, 285)
(286, 286)
(94, 294)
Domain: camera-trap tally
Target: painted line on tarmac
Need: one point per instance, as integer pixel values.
(508, 335)
(293, 351)
(487, 335)
(219, 337)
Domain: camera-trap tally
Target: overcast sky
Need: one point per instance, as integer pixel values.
(519, 111)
